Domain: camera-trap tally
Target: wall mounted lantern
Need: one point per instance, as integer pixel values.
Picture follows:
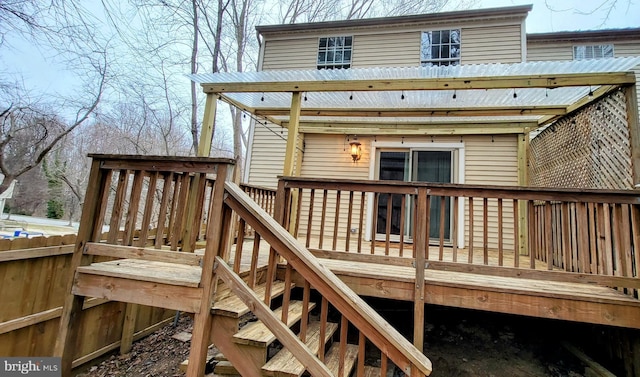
(355, 149)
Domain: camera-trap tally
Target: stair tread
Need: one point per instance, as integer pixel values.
(285, 364)
(146, 270)
(226, 368)
(370, 371)
(233, 306)
(257, 333)
(332, 359)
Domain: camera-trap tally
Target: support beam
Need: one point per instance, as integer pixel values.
(272, 84)
(631, 99)
(208, 125)
(292, 135)
(414, 128)
(514, 111)
(523, 181)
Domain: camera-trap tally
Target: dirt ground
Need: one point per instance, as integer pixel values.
(458, 342)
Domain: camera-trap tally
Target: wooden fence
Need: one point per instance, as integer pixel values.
(33, 275)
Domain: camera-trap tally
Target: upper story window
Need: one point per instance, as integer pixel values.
(440, 47)
(334, 52)
(592, 52)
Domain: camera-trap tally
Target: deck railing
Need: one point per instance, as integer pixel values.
(355, 313)
(590, 232)
(153, 201)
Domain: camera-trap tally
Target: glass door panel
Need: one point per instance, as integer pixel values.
(393, 166)
(436, 167)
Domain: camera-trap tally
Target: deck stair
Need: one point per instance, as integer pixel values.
(131, 265)
(253, 342)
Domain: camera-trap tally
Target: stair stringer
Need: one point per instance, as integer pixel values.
(223, 328)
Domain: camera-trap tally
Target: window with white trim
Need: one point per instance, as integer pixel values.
(334, 52)
(592, 52)
(440, 47)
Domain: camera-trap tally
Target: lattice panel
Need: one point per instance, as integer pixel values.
(588, 149)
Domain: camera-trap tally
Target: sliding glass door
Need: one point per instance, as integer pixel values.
(414, 166)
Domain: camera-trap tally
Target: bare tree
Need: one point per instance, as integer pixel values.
(30, 127)
(604, 8)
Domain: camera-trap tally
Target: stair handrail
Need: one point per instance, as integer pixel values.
(402, 352)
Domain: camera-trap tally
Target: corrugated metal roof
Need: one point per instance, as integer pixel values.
(406, 101)
(459, 71)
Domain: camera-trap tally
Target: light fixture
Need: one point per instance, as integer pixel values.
(355, 149)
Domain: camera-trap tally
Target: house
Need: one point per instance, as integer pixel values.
(446, 145)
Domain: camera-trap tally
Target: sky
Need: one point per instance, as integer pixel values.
(569, 15)
(32, 65)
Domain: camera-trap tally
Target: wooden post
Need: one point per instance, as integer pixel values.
(631, 99)
(421, 243)
(208, 125)
(292, 135)
(128, 328)
(196, 192)
(72, 307)
(215, 246)
(291, 164)
(523, 181)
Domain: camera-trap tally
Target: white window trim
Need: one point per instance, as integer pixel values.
(423, 146)
(334, 36)
(442, 59)
(613, 49)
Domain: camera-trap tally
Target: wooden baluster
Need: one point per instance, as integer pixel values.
(336, 222)
(402, 225)
(516, 233)
(237, 259)
(310, 219)
(164, 204)
(387, 232)
(134, 205)
(171, 236)
(117, 209)
(485, 230)
(254, 261)
(608, 251)
(602, 258)
(500, 236)
(470, 252)
(324, 311)
(304, 321)
(635, 227)
(427, 230)
(625, 250)
(344, 326)
(454, 234)
(548, 235)
(272, 267)
(374, 225)
(361, 223)
(180, 221)
(442, 216)
(361, 354)
(148, 209)
(286, 297)
(617, 240)
(583, 233)
(298, 212)
(383, 364)
(323, 218)
(532, 238)
(349, 215)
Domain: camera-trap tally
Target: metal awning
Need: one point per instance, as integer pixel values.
(513, 95)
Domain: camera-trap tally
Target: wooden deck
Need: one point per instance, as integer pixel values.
(393, 277)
